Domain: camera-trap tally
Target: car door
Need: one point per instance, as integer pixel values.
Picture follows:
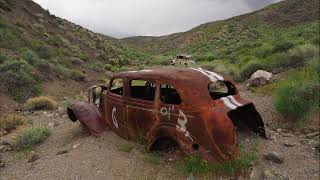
(115, 106)
(140, 107)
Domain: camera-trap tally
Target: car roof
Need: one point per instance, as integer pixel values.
(195, 77)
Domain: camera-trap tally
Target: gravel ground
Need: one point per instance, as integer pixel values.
(87, 157)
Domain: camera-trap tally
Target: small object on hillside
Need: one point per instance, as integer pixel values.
(274, 157)
(183, 59)
(75, 146)
(33, 158)
(260, 77)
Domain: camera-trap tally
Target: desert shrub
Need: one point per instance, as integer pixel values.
(55, 40)
(244, 160)
(41, 49)
(10, 122)
(29, 56)
(7, 4)
(299, 96)
(262, 52)
(9, 38)
(77, 75)
(31, 136)
(249, 69)
(282, 46)
(84, 57)
(3, 58)
(17, 81)
(304, 52)
(40, 103)
(59, 70)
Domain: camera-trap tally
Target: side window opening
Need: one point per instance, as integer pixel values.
(169, 95)
(117, 86)
(141, 89)
(221, 89)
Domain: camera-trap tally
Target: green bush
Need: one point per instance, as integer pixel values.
(299, 96)
(29, 56)
(17, 81)
(31, 136)
(3, 58)
(9, 38)
(10, 122)
(282, 46)
(40, 103)
(41, 49)
(305, 52)
(263, 52)
(77, 76)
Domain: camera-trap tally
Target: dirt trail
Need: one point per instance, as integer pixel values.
(88, 157)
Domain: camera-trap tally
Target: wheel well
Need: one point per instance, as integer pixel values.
(71, 115)
(164, 144)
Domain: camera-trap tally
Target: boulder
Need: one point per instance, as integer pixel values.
(274, 157)
(259, 78)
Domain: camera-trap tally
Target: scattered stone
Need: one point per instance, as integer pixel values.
(62, 152)
(33, 158)
(255, 174)
(279, 130)
(274, 157)
(75, 146)
(289, 144)
(2, 164)
(51, 125)
(26, 113)
(312, 134)
(3, 132)
(260, 77)
(4, 148)
(287, 135)
(267, 175)
(191, 177)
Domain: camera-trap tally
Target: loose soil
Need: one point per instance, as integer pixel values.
(85, 157)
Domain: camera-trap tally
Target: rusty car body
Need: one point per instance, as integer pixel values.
(197, 109)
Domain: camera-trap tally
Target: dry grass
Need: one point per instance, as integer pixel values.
(31, 136)
(10, 122)
(40, 103)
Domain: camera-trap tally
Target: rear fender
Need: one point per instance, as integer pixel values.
(89, 116)
(248, 116)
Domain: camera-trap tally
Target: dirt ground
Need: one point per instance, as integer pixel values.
(87, 157)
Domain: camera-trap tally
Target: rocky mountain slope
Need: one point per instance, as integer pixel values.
(41, 47)
(227, 35)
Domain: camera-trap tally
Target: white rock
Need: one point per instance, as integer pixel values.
(260, 77)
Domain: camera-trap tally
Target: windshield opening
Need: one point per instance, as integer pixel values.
(221, 89)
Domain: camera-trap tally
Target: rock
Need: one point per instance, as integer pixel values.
(255, 174)
(4, 148)
(3, 132)
(191, 177)
(2, 164)
(62, 152)
(33, 158)
(289, 144)
(75, 146)
(310, 135)
(260, 77)
(267, 175)
(274, 157)
(51, 125)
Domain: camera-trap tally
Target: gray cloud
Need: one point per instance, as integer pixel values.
(122, 18)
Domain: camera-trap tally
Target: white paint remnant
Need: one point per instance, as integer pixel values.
(114, 120)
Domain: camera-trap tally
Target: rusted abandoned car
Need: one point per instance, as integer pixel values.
(196, 109)
(183, 59)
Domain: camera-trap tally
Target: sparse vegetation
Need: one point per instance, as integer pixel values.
(40, 103)
(10, 122)
(152, 158)
(31, 136)
(17, 80)
(77, 75)
(245, 160)
(127, 147)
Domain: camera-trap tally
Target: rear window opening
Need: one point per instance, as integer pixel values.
(169, 95)
(221, 89)
(141, 89)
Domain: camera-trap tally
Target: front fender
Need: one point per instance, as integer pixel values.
(89, 116)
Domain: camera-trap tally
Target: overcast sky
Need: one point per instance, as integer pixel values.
(122, 18)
